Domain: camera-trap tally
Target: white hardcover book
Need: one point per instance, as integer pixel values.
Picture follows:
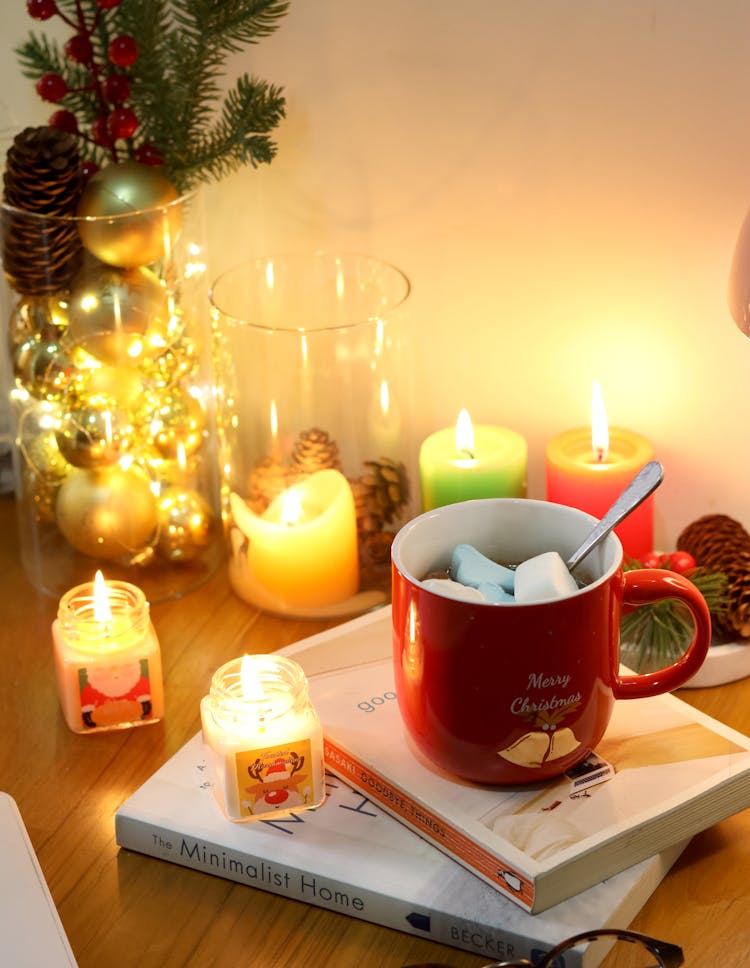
(350, 857)
(675, 770)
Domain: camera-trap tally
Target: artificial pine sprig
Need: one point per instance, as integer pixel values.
(656, 634)
(141, 79)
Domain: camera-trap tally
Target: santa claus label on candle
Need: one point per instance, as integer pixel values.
(107, 657)
(588, 467)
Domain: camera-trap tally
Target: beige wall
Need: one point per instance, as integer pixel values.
(563, 183)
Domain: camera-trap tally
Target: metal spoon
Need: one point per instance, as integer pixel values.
(644, 483)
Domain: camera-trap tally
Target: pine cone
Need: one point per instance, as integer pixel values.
(315, 451)
(379, 494)
(719, 543)
(267, 480)
(43, 181)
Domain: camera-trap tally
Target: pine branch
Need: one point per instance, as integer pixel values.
(240, 137)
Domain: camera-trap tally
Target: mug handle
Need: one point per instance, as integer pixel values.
(644, 586)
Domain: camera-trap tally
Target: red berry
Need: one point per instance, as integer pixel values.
(122, 51)
(122, 123)
(79, 49)
(88, 168)
(108, 4)
(682, 562)
(117, 88)
(148, 154)
(41, 9)
(99, 131)
(51, 87)
(65, 120)
(653, 560)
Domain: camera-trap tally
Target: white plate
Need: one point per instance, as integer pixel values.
(724, 663)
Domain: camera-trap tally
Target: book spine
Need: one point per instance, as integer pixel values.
(433, 827)
(331, 894)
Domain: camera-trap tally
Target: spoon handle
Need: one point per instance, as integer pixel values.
(644, 483)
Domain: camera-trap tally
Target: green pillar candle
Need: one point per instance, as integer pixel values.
(464, 462)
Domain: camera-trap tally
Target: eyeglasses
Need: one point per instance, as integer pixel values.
(645, 952)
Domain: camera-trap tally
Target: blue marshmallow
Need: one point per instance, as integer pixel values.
(494, 593)
(471, 567)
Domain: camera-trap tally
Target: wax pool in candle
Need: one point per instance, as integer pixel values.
(301, 553)
(265, 737)
(107, 658)
(589, 477)
(465, 462)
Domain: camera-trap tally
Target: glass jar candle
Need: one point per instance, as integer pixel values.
(313, 409)
(107, 658)
(265, 736)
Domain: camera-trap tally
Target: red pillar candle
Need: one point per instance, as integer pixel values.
(588, 467)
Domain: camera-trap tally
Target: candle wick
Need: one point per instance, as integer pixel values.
(469, 453)
(600, 455)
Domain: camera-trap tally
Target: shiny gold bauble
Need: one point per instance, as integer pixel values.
(95, 432)
(42, 367)
(107, 513)
(118, 315)
(44, 459)
(124, 384)
(131, 215)
(42, 316)
(179, 359)
(186, 523)
(178, 424)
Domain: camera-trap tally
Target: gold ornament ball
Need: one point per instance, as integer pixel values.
(186, 524)
(44, 459)
(131, 215)
(42, 316)
(108, 512)
(94, 433)
(118, 315)
(124, 384)
(42, 367)
(180, 358)
(178, 424)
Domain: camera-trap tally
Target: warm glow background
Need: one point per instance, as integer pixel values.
(563, 183)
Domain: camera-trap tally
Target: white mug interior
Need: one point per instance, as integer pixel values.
(507, 530)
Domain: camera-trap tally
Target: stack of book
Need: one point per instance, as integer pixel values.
(497, 871)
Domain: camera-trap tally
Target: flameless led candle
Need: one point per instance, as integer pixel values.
(588, 467)
(265, 737)
(465, 462)
(107, 657)
(301, 553)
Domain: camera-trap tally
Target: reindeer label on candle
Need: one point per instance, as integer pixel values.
(280, 780)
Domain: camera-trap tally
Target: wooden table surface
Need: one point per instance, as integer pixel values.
(121, 908)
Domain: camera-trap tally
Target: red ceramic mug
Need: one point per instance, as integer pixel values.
(517, 693)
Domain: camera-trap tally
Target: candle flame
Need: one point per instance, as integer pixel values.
(385, 398)
(291, 507)
(102, 611)
(599, 426)
(465, 434)
(252, 687)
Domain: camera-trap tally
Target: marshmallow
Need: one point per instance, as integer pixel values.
(453, 589)
(543, 577)
(471, 567)
(494, 593)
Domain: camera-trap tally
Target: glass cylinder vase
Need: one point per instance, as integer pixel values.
(109, 353)
(314, 427)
